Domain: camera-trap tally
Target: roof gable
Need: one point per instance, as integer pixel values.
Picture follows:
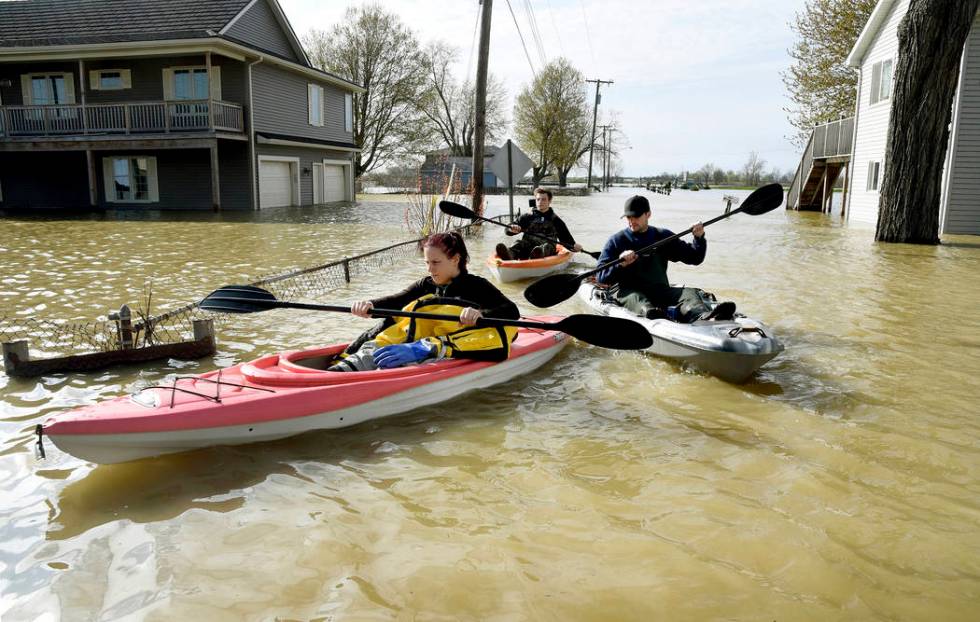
(877, 20)
(28, 23)
(262, 24)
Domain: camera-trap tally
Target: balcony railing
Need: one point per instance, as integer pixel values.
(121, 118)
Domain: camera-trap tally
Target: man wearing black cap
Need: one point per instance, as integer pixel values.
(640, 282)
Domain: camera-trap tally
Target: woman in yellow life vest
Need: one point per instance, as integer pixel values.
(449, 289)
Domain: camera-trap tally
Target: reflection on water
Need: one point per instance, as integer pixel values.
(839, 483)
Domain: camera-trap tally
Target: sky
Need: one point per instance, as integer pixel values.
(695, 81)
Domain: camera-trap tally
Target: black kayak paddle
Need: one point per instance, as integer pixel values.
(605, 332)
(461, 211)
(551, 290)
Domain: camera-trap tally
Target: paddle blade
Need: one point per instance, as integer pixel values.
(593, 254)
(551, 290)
(238, 299)
(456, 210)
(762, 200)
(606, 332)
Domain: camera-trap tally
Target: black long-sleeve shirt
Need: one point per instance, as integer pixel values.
(469, 288)
(546, 224)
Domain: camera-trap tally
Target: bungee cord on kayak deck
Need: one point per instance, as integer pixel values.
(65, 338)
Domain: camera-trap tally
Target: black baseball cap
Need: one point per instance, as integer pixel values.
(636, 206)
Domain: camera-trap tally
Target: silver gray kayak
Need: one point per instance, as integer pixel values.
(730, 349)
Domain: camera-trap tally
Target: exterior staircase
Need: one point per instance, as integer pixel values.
(827, 153)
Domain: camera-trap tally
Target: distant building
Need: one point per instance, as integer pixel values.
(438, 164)
(874, 56)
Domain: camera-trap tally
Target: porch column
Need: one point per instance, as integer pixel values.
(93, 192)
(83, 89)
(207, 64)
(215, 187)
(847, 181)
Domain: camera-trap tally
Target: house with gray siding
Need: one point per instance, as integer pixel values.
(874, 57)
(185, 104)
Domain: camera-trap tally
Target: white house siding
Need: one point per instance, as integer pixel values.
(871, 131)
(962, 204)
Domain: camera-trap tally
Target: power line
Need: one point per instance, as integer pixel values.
(535, 32)
(476, 29)
(551, 13)
(588, 37)
(524, 45)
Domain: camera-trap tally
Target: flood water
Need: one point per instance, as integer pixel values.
(840, 483)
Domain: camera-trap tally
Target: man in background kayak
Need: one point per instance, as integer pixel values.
(543, 222)
(449, 289)
(640, 282)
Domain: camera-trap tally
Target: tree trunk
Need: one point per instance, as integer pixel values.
(931, 37)
(563, 177)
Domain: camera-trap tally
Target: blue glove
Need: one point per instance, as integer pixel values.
(402, 354)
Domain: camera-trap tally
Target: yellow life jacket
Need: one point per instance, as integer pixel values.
(452, 339)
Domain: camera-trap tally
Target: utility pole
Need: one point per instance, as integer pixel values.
(595, 114)
(480, 125)
(606, 148)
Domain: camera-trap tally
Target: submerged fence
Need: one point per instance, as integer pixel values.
(53, 337)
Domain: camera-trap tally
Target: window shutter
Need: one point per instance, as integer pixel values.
(107, 185)
(168, 83)
(69, 88)
(322, 105)
(127, 78)
(348, 112)
(215, 83)
(25, 89)
(875, 82)
(151, 174)
(93, 79)
(309, 104)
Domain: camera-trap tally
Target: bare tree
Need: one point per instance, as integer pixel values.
(752, 169)
(372, 48)
(448, 105)
(548, 117)
(819, 83)
(931, 37)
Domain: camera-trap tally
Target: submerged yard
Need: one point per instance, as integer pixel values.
(839, 483)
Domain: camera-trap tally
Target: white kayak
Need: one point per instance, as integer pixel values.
(729, 349)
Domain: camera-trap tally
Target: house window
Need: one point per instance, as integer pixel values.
(191, 83)
(315, 101)
(881, 81)
(874, 176)
(348, 112)
(110, 79)
(48, 89)
(130, 179)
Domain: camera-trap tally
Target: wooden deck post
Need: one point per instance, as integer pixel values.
(93, 194)
(203, 328)
(847, 181)
(215, 188)
(13, 353)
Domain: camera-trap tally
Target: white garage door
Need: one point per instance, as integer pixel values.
(275, 184)
(334, 183)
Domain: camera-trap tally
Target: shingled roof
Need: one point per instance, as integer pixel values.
(25, 23)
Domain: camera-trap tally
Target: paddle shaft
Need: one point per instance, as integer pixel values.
(655, 245)
(485, 321)
(533, 235)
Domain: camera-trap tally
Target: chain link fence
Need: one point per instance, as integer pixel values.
(61, 338)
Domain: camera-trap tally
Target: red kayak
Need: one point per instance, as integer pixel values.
(276, 396)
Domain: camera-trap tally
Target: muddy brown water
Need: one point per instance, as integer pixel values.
(840, 483)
